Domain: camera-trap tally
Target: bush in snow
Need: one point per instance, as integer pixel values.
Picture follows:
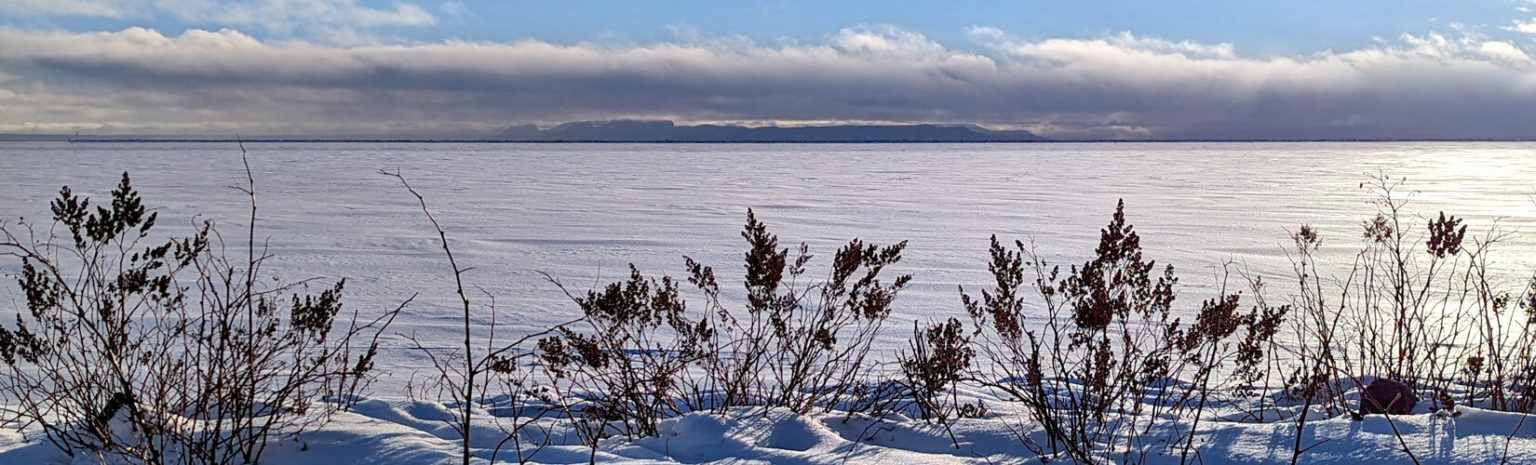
(637, 351)
(168, 352)
(1099, 371)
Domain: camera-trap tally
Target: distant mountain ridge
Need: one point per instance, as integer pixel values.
(622, 131)
(667, 131)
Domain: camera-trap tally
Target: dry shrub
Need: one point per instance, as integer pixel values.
(637, 352)
(169, 352)
(1102, 368)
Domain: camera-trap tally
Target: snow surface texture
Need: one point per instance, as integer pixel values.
(582, 212)
(405, 432)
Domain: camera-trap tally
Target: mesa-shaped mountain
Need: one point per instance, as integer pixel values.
(666, 131)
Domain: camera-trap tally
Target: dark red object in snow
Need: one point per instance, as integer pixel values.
(1389, 397)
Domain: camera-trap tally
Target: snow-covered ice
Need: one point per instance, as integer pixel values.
(582, 212)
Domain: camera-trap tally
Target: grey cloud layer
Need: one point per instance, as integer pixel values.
(140, 80)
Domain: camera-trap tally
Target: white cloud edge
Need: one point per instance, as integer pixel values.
(278, 16)
(86, 8)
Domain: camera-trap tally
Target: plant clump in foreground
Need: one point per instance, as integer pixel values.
(638, 351)
(168, 352)
(1102, 367)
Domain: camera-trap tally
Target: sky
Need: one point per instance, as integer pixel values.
(1110, 69)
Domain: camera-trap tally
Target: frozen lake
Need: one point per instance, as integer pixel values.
(581, 212)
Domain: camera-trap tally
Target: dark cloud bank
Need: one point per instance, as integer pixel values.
(140, 81)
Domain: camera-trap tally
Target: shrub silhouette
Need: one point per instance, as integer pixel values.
(812, 340)
(1094, 373)
(168, 352)
(638, 342)
(637, 351)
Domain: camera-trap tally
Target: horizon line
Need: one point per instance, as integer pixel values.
(182, 139)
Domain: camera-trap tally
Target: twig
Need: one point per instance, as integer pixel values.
(466, 406)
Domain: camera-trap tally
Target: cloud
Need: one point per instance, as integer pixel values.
(308, 18)
(454, 9)
(94, 8)
(287, 15)
(1120, 85)
(1528, 26)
